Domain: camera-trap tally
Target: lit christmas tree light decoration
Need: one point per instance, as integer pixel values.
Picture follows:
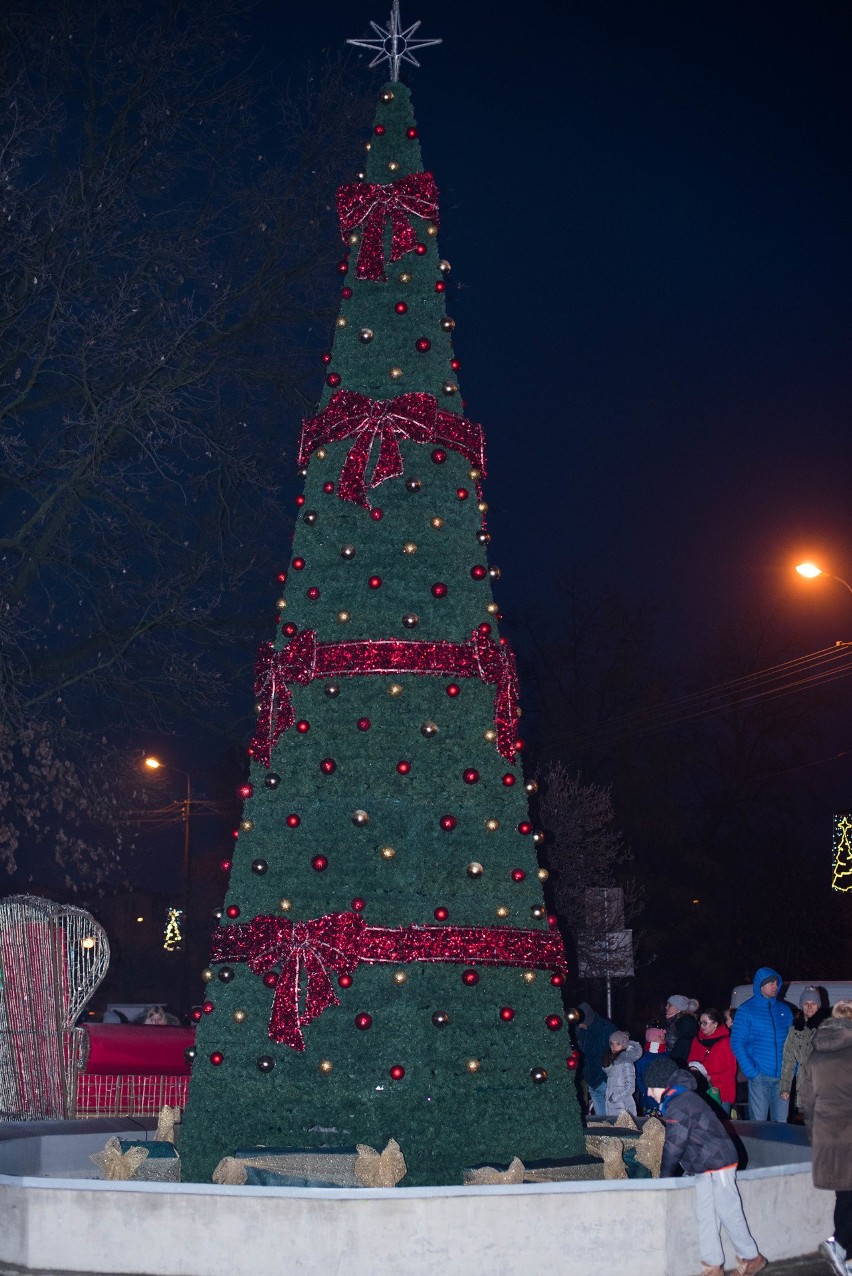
(842, 871)
(174, 935)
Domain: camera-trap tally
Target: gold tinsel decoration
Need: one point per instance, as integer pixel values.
(118, 1166)
(487, 1175)
(380, 1169)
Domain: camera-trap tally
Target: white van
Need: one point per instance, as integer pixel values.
(832, 989)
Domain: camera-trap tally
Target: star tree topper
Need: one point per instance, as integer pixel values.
(392, 44)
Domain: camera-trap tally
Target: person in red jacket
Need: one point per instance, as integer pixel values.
(712, 1048)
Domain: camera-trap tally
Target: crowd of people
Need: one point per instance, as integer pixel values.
(690, 1070)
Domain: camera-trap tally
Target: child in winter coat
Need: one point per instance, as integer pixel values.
(698, 1141)
(618, 1064)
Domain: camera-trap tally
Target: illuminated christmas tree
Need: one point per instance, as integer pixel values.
(842, 875)
(384, 966)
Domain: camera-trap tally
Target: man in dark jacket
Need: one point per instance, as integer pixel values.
(757, 1039)
(593, 1036)
(697, 1141)
(825, 1093)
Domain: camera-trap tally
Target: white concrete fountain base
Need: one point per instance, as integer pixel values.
(646, 1227)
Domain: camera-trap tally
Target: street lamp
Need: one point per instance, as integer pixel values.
(810, 571)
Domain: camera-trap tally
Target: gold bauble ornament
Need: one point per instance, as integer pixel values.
(344, 617)
(490, 735)
(494, 573)
(482, 506)
(360, 818)
(473, 1065)
(387, 852)
(410, 547)
(492, 609)
(528, 976)
(366, 335)
(285, 905)
(447, 323)
(538, 911)
(429, 728)
(538, 837)
(386, 96)
(393, 166)
(320, 454)
(432, 230)
(400, 977)
(368, 146)
(207, 974)
(474, 869)
(246, 825)
(405, 277)
(326, 1066)
(437, 522)
(501, 910)
(342, 321)
(449, 387)
(395, 374)
(360, 176)
(394, 690)
(492, 825)
(239, 1016)
(474, 474)
(531, 786)
(354, 238)
(444, 266)
(281, 603)
(542, 874)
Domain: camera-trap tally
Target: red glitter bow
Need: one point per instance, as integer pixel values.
(372, 204)
(414, 416)
(339, 941)
(304, 658)
(312, 947)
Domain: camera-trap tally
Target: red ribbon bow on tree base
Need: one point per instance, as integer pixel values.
(304, 658)
(414, 416)
(337, 942)
(372, 204)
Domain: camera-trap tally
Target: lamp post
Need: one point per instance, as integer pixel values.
(810, 571)
(155, 764)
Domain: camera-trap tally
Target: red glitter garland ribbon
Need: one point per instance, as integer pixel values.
(304, 659)
(414, 416)
(370, 205)
(338, 942)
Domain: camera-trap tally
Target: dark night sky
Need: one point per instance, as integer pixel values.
(646, 209)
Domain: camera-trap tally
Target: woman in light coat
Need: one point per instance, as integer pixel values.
(618, 1064)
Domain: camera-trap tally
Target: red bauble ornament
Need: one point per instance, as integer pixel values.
(484, 628)
(508, 779)
(400, 307)
(208, 1007)
(303, 727)
(377, 515)
(217, 1058)
(439, 456)
(375, 582)
(571, 1063)
(423, 344)
(363, 1021)
(557, 980)
(270, 979)
(290, 629)
(507, 1014)
(293, 821)
(358, 905)
(553, 1022)
(346, 293)
(455, 364)
(470, 977)
(345, 981)
(326, 358)
(328, 766)
(300, 500)
(363, 724)
(421, 250)
(439, 589)
(470, 776)
(411, 132)
(298, 564)
(518, 874)
(525, 827)
(440, 286)
(235, 834)
(282, 577)
(453, 689)
(232, 911)
(319, 863)
(195, 1015)
(333, 379)
(245, 790)
(441, 914)
(462, 493)
(448, 823)
(379, 130)
(343, 267)
(226, 865)
(328, 487)
(552, 920)
(479, 572)
(403, 767)
(397, 1072)
(313, 593)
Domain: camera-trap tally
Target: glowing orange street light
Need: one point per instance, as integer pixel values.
(810, 571)
(154, 763)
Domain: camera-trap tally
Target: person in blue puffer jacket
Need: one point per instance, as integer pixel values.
(757, 1039)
